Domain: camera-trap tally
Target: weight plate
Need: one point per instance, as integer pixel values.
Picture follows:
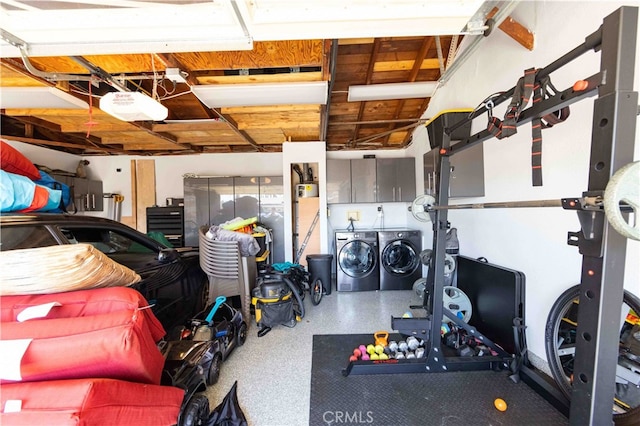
(457, 302)
(418, 207)
(449, 264)
(623, 186)
(419, 286)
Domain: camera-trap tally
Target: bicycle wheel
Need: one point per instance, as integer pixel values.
(316, 290)
(560, 339)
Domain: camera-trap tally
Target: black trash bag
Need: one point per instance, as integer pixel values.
(228, 413)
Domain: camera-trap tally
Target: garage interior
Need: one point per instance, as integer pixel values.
(260, 100)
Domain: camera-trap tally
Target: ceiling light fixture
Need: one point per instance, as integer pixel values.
(233, 95)
(379, 92)
(133, 106)
(38, 97)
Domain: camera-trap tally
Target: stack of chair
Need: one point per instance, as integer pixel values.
(230, 274)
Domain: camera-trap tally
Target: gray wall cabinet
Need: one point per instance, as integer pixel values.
(338, 181)
(87, 193)
(215, 200)
(351, 181)
(396, 179)
(371, 180)
(467, 172)
(363, 180)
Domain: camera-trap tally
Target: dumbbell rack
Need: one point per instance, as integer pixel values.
(602, 248)
(436, 360)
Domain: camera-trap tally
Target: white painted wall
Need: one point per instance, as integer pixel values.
(170, 169)
(531, 240)
(47, 157)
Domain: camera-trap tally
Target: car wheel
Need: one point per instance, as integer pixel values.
(214, 370)
(242, 333)
(196, 412)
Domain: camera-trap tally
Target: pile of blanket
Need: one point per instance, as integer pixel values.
(24, 188)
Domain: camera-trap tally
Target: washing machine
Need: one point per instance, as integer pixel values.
(357, 261)
(400, 263)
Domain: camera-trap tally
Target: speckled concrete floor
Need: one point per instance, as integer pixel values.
(274, 371)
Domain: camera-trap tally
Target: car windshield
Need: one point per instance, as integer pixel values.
(107, 241)
(24, 237)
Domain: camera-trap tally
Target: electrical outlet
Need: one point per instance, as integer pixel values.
(353, 215)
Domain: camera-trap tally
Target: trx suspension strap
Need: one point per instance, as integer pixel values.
(527, 86)
(520, 99)
(541, 91)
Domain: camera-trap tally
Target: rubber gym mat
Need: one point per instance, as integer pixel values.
(443, 399)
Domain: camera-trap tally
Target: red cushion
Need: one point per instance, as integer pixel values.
(116, 345)
(13, 161)
(84, 303)
(92, 402)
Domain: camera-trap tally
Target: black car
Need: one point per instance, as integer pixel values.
(172, 281)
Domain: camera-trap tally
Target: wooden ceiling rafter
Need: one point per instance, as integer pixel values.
(170, 61)
(353, 123)
(89, 142)
(41, 124)
(19, 67)
(38, 123)
(61, 144)
(427, 43)
(140, 125)
(55, 133)
(368, 139)
(234, 126)
(372, 61)
(148, 127)
(29, 130)
(515, 30)
(409, 135)
(193, 127)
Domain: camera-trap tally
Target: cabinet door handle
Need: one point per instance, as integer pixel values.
(399, 193)
(393, 191)
(93, 201)
(86, 202)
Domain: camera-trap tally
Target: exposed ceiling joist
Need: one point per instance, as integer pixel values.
(515, 30)
(372, 43)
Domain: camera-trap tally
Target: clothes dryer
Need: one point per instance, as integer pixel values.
(400, 263)
(357, 261)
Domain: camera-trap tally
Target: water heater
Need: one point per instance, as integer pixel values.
(304, 190)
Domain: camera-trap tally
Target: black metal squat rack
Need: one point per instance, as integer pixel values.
(603, 249)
